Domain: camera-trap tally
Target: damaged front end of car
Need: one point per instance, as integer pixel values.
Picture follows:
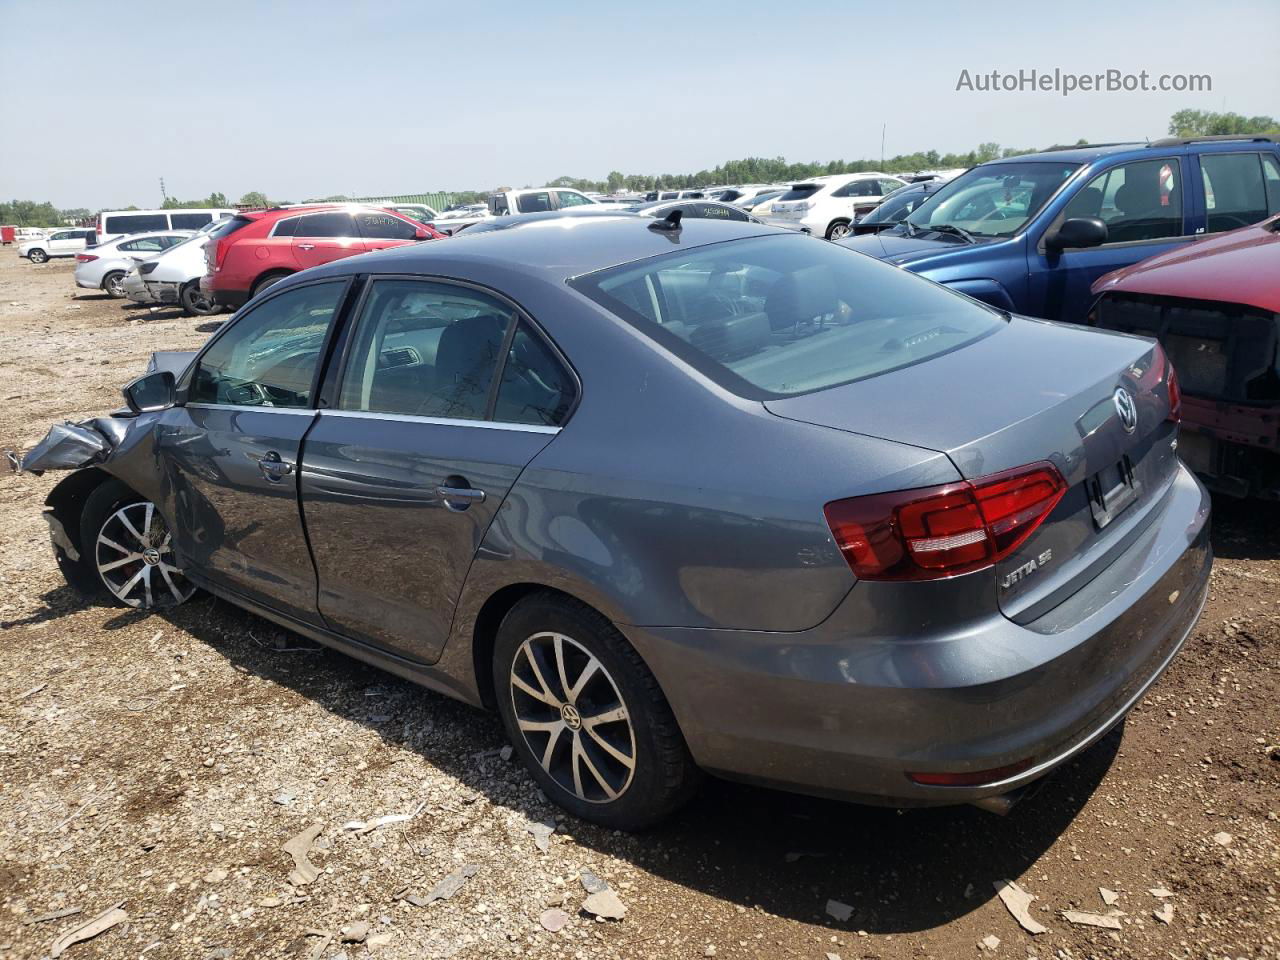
(90, 449)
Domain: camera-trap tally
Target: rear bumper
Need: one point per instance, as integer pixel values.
(835, 712)
(229, 299)
(163, 292)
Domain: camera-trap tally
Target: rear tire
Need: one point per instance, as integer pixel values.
(269, 280)
(587, 717)
(37, 256)
(113, 284)
(126, 554)
(196, 303)
(838, 230)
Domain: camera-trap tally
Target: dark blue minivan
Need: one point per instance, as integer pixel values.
(1031, 234)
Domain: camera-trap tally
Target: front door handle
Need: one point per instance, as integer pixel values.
(459, 498)
(272, 467)
(306, 246)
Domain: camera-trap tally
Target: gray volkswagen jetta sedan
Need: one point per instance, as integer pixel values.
(676, 497)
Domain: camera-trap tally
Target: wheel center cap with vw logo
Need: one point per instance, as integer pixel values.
(572, 719)
(1126, 409)
(151, 556)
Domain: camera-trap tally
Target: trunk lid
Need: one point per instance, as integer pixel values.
(1033, 391)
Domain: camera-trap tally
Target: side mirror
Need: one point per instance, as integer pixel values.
(1077, 232)
(153, 392)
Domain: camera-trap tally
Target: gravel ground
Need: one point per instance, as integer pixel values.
(164, 761)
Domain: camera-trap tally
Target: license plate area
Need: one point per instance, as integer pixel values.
(1111, 490)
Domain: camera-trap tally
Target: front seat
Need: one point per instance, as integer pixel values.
(1139, 201)
(465, 360)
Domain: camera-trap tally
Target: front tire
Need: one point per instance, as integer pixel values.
(587, 717)
(38, 256)
(196, 303)
(113, 284)
(126, 551)
(838, 230)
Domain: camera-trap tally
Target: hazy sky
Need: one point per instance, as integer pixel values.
(100, 100)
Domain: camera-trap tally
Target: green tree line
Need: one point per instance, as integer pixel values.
(1184, 123)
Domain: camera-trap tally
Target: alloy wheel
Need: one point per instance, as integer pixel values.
(134, 559)
(572, 717)
(115, 285)
(838, 232)
(38, 256)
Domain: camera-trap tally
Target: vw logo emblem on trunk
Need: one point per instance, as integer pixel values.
(1126, 408)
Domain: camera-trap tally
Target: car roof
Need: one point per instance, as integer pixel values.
(1089, 152)
(552, 249)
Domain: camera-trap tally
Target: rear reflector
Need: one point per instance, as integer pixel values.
(85, 257)
(975, 778)
(935, 532)
(1175, 397)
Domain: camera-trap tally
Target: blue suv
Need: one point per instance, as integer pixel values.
(1031, 234)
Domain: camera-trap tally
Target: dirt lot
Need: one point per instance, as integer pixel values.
(164, 762)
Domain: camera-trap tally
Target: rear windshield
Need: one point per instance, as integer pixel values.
(231, 226)
(777, 316)
(801, 191)
(136, 223)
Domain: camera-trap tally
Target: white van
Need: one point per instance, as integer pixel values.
(117, 223)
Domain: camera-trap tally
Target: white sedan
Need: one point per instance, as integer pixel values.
(104, 266)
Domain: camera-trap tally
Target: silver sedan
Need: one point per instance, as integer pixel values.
(103, 267)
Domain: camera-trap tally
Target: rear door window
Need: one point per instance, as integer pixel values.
(286, 227)
(425, 349)
(1235, 191)
(147, 244)
(1271, 176)
(383, 226)
(1137, 201)
(189, 221)
(534, 202)
(569, 198)
(333, 224)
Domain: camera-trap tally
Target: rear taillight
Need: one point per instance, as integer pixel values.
(1175, 397)
(85, 257)
(935, 532)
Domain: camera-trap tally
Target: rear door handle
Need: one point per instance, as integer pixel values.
(306, 246)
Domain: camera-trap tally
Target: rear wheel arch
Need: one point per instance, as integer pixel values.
(490, 616)
(268, 277)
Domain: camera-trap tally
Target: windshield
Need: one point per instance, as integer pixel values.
(897, 205)
(801, 191)
(777, 316)
(994, 200)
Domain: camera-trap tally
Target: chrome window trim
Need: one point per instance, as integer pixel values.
(252, 408)
(442, 421)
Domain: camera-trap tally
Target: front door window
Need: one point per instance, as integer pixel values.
(269, 356)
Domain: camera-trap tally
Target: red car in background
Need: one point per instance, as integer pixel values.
(1215, 307)
(253, 250)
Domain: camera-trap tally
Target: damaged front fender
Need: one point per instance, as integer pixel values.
(70, 446)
